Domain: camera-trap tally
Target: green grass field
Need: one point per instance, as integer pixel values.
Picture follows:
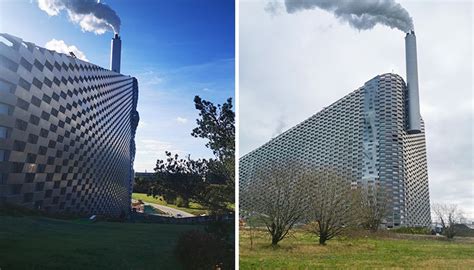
(301, 251)
(194, 208)
(44, 243)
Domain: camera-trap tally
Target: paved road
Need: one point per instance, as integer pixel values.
(172, 211)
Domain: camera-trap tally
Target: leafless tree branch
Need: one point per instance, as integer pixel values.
(277, 194)
(448, 215)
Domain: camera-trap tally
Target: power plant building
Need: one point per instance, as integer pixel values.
(67, 131)
(367, 138)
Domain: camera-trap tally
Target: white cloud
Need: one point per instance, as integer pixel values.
(90, 15)
(61, 47)
(181, 120)
(149, 78)
(149, 150)
(142, 124)
(52, 7)
(154, 80)
(90, 23)
(166, 94)
(154, 146)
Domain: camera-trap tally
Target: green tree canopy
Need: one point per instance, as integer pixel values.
(209, 182)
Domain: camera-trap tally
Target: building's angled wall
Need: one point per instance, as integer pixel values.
(329, 140)
(70, 127)
(390, 125)
(362, 138)
(416, 184)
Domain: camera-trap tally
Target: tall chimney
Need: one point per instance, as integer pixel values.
(414, 118)
(115, 51)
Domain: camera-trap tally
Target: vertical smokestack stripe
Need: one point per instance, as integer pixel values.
(414, 118)
(115, 53)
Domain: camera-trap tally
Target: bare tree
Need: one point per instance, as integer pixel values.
(276, 196)
(329, 211)
(448, 215)
(370, 205)
(248, 217)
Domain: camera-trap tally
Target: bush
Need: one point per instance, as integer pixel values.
(13, 210)
(222, 230)
(463, 230)
(8, 209)
(169, 199)
(412, 230)
(201, 250)
(180, 202)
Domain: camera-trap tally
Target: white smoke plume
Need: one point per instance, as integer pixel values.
(361, 15)
(281, 125)
(91, 15)
(61, 47)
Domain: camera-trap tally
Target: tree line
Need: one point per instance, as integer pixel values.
(209, 182)
(279, 198)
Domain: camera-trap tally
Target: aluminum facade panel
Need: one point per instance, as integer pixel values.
(363, 139)
(70, 144)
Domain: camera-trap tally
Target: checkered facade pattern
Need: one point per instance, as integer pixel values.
(67, 131)
(362, 138)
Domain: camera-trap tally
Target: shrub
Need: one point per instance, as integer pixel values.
(463, 230)
(201, 250)
(169, 199)
(412, 230)
(180, 202)
(7, 209)
(221, 229)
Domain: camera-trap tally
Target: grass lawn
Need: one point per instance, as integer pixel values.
(44, 243)
(301, 251)
(194, 208)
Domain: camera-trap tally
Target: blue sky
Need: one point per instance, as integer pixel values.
(176, 49)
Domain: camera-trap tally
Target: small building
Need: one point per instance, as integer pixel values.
(138, 206)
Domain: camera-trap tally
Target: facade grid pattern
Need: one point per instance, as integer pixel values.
(68, 144)
(362, 138)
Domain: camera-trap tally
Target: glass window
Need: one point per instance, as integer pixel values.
(23, 83)
(26, 64)
(3, 132)
(22, 104)
(3, 178)
(6, 62)
(4, 109)
(5, 87)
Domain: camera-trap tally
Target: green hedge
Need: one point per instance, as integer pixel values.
(412, 230)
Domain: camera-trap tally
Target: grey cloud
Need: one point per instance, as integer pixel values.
(291, 64)
(361, 15)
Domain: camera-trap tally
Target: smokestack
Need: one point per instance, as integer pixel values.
(115, 51)
(414, 118)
